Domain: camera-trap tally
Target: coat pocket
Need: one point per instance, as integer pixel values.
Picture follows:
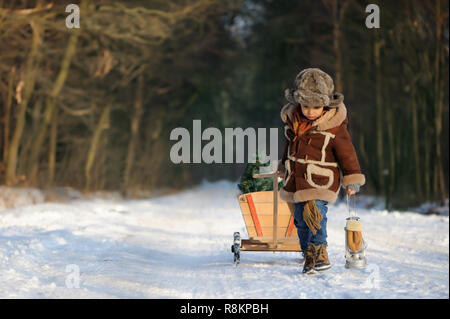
(319, 177)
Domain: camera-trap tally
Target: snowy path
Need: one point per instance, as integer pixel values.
(178, 246)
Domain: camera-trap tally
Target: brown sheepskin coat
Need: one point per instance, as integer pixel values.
(320, 160)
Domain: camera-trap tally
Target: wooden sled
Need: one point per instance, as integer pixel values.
(269, 221)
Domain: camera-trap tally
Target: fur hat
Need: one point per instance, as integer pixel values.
(313, 87)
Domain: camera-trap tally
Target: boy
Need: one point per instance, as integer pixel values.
(318, 157)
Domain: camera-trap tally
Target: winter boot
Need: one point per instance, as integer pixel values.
(322, 261)
(310, 259)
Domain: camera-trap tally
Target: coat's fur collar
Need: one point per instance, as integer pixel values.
(332, 118)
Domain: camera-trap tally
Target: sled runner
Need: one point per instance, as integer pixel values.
(269, 221)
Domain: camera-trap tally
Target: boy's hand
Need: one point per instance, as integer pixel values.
(352, 189)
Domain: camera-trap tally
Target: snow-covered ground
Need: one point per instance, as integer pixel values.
(178, 246)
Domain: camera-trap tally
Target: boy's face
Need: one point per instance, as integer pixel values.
(312, 112)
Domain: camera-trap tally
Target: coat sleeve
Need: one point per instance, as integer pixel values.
(346, 156)
(281, 166)
(285, 152)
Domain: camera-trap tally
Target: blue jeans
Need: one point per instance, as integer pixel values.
(304, 234)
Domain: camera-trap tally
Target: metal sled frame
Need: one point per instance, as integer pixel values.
(269, 221)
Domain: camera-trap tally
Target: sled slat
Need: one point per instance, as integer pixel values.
(262, 197)
(267, 220)
(251, 205)
(290, 227)
(268, 232)
(251, 245)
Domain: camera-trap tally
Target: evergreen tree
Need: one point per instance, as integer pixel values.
(248, 184)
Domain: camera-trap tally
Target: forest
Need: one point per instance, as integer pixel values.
(92, 107)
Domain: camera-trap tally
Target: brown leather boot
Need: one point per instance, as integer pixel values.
(322, 261)
(310, 259)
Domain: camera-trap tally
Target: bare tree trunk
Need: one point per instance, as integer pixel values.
(101, 167)
(362, 150)
(51, 103)
(338, 9)
(52, 149)
(379, 114)
(103, 124)
(135, 120)
(427, 167)
(443, 188)
(23, 162)
(7, 115)
(439, 176)
(28, 87)
(98, 169)
(390, 188)
(415, 133)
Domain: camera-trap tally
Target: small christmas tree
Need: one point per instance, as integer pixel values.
(248, 184)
